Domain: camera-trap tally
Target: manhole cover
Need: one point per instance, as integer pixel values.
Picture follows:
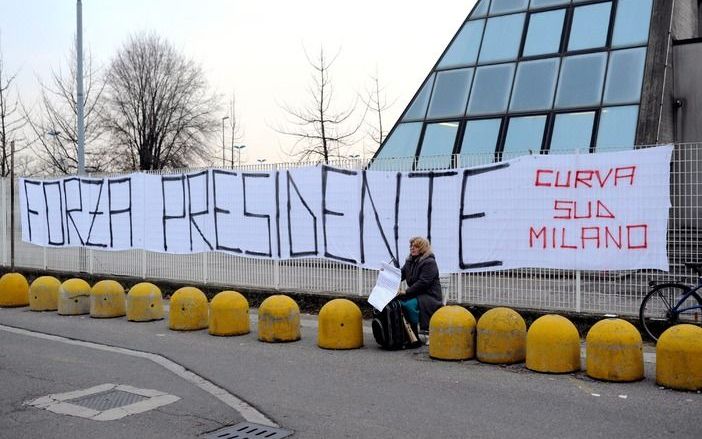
(248, 430)
(107, 400)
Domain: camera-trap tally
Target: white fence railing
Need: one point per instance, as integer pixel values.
(617, 292)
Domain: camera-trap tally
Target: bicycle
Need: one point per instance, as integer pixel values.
(670, 304)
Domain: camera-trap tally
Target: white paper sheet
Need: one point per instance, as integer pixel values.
(386, 286)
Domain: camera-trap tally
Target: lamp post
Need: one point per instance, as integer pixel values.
(80, 94)
(238, 149)
(224, 147)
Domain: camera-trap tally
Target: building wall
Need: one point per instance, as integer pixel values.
(687, 90)
(656, 117)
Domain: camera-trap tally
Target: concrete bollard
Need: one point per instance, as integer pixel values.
(14, 290)
(74, 297)
(340, 325)
(501, 335)
(553, 345)
(188, 310)
(452, 334)
(614, 351)
(107, 300)
(229, 314)
(278, 320)
(679, 358)
(43, 294)
(144, 303)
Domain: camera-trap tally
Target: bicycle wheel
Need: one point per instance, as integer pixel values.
(657, 309)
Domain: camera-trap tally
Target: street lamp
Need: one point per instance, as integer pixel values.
(238, 149)
(224, 148)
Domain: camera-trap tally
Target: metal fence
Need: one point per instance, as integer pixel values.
(618, 292)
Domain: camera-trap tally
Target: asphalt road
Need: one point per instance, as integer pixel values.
(365, 393)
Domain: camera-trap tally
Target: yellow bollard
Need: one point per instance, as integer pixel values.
(553, 345)
(43, 294)
(74, 297)
(501, 337)
(278, 319)
(679, 358)
(614, 351)
(144, 303)
(340, 325)
(14, 290)
(452, 334)
(229, 314)
(188, 310)
(107, 300)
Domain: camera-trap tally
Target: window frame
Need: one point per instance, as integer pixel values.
(561, 54)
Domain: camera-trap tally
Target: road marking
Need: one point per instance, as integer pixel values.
(247, 411)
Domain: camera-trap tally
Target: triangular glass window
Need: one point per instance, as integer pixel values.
(418, 109)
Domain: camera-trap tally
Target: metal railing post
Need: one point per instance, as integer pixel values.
(578, 292)
(359, 280)
(143, 264)
(276, 275)
(204, 267)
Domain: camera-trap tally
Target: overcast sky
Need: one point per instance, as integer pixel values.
(255, 47)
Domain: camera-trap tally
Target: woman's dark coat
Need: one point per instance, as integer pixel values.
(422, 276)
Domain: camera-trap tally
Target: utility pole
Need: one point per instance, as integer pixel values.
(80, 98)
(12, 206)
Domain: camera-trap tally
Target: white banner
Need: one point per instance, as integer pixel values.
(606, 211)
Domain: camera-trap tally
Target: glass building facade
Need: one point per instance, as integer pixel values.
(530, 76)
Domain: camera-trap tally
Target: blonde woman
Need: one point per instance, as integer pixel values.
(423, 295)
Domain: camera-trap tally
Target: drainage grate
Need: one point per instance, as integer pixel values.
(248, 430)
(107, 400)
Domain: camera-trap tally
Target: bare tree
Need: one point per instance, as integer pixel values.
(376, 103)
(55, 124)
(160, 111)
(321, 131)
(11, 121)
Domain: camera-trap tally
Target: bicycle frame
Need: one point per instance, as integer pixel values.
(677, 310)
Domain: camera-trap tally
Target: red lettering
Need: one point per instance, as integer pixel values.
(644, 242)
(584, 236)
(562, 205)
(608, 235)
(599, 211)
(565, 183)
(625, 173)
(538, 181)
(563, 240)
(534, 236)
(593, 237)
(553, 238)
(585, 216)
(599, 177)
(584, 178)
